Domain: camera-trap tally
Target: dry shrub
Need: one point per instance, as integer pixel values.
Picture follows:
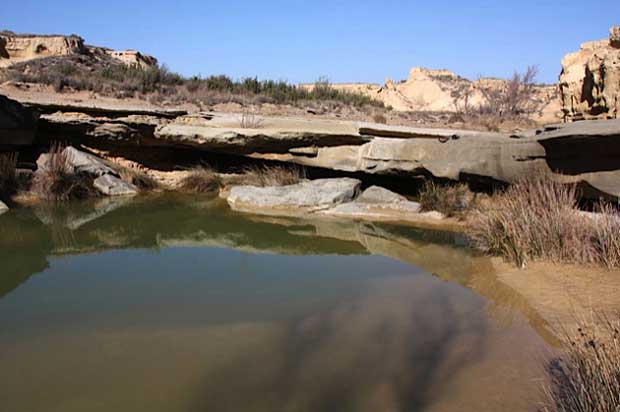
(202, 179)
(57, 181)
(606, 236)
(537, 218)
(449, 199)
(142, 181)
(8, 176)
(586, 378)
(379, 118)
(249, 120)
(273, 175)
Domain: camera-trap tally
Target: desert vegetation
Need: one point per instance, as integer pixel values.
(8, 176)
(453, 200)
(538, 218)
(502, 101)
(586, 377)
(261, 175)
(101, 74)
(201, 179)
(57, 181)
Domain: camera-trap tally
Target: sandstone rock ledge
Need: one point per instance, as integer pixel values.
(330, 198)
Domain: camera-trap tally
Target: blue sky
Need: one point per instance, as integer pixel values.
(348, 40)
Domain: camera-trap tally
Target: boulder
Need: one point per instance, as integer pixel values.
(18, 124)
(590, 80)
(379, 204)
(80, 162)
(113, 186)
(304, 197)
(3, 207)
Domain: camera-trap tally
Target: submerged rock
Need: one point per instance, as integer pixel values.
(113, 186)
(308, 196)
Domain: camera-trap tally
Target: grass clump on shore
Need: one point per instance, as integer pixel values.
(201, 179)
(263, 176)
(449, 199)
(58, 182)
(537, 218)
(586, 377)
(142, 181)
(8, 176)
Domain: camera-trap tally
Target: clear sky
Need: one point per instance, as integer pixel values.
(347, 40)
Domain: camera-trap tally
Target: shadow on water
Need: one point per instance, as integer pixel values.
(269, 313)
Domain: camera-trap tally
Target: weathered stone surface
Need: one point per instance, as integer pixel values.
(80, 162)
(308, 196)
(113, 186)
(3, 208)
(18, 124)
(590, 80)
(276, 135)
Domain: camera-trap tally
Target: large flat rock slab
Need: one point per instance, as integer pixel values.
(308, 196)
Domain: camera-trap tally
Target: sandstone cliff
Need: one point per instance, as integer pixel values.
(428, 90)
(17, 48)
(590, 80)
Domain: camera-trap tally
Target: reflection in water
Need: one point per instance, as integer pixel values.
(174, 304)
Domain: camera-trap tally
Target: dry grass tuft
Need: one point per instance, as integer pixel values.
(202, 180)
(8, 176)
(538, 218)
(142, 181)
(273, 175)
(58, 182)
(449, 199)
(586, 378)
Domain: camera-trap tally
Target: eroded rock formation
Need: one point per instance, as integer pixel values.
(590, 80)
(16, 48)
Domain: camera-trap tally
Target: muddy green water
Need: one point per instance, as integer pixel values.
(175, 303)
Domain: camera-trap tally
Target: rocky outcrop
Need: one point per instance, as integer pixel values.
(133, 58)
(16, 48)
(18, 124)
(586, 153)
(590, 80)
(428, 90)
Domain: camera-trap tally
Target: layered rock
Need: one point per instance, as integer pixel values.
(586, 153)
(18, 124)
(590, 80)
(16, 48)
